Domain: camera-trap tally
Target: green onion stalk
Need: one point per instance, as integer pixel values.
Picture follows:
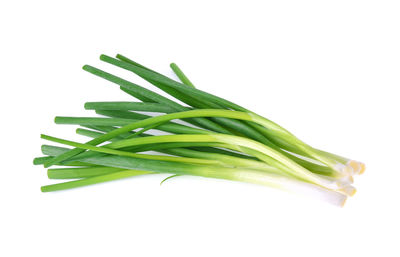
(217, 139)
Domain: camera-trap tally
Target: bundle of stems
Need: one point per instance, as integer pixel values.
(217, 139)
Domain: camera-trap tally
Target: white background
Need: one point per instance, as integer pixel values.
(326, 70)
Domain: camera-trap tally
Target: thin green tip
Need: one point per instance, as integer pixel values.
(42, 147)
(43, 189)
(35, 161)
(58, 120)
(104, 57)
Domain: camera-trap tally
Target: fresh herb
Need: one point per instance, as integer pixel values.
(219, 139)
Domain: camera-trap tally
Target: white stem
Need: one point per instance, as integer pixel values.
(342, 181)
(293, 167)
(291, 185)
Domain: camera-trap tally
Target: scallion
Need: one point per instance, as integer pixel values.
(219, 140)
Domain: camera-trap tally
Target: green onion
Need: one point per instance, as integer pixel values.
(94, 180)
(219, 139)
(124, 153)
(128, 106)
(181, 75)
(81, 172)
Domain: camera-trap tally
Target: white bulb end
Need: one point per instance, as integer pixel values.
(358, 167)
(348, 190)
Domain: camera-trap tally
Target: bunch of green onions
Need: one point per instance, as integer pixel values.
(218, 139)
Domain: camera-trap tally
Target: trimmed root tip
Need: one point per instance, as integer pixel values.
(343, 202)
(358, 167)
(362, 168)
(355, 166)
(345, 181)
(350, 179)
(348, 190)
